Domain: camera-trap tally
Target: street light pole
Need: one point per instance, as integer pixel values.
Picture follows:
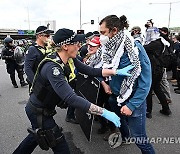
(80, 15)
(28, 17)
(169, 15)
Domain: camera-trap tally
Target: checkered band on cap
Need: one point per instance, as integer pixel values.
(41, 31)
(67, 41)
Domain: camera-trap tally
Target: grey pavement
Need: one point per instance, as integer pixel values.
(13, 125)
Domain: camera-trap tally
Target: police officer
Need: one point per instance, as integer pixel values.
(37, 52)
(50, 88)
(11, 65)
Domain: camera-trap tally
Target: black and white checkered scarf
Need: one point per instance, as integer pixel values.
(109, 55)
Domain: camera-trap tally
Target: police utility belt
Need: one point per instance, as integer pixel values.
(46, 138)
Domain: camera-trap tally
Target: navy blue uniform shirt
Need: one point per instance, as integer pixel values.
(53, 73)
(33, 58)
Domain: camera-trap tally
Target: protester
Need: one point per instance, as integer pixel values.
(128, 93)
(164, 32)
(154, 49)
(104, 91)
(83, 49)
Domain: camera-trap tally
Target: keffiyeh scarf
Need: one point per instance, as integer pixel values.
(109, 55)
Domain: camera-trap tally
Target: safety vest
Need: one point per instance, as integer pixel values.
(44, 91)
(72, 75)
(46, 51)
(43, 53)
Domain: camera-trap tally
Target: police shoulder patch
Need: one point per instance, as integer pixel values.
(56, 71)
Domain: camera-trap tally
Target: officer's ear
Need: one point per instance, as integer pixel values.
(65, 47)
(38, 35)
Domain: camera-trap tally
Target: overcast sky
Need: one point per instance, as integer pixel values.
(66, 13)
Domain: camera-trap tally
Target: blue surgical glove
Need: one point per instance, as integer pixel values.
(124, 71)
(111, 116)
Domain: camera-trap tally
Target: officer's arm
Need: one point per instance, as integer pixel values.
(55, 75)
(4, 56)
(29, 64)
(85, 69)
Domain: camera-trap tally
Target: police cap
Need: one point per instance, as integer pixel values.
(66, 36)
(43, 29)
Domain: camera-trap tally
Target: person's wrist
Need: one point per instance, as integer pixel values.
(103, 112)
(114, 71)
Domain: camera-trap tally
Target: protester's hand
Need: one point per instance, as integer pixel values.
(124, 71)
(107, 88)
(84, 60)
(111, 116)
(126, 111)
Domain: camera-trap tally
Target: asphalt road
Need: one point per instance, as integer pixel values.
(13, 125)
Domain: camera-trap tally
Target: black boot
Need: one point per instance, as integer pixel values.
(166, 112)
(21, 78)
(15, 85)
(174, 85)
(13, 80)
(177, 91)
(148, 115)
(23, 84)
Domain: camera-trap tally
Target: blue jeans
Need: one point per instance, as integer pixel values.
(134, 125)
(28, 145)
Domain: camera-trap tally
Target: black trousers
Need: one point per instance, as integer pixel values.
(178, 78)
(11, 68)
(28, 145)
(156, 79)
(174, 67)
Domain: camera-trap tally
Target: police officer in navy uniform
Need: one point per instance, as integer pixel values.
(50, 88)
(37, 52)
(11, 65)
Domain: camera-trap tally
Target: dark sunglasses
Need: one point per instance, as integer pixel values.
(73, 43)
(45, 35)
